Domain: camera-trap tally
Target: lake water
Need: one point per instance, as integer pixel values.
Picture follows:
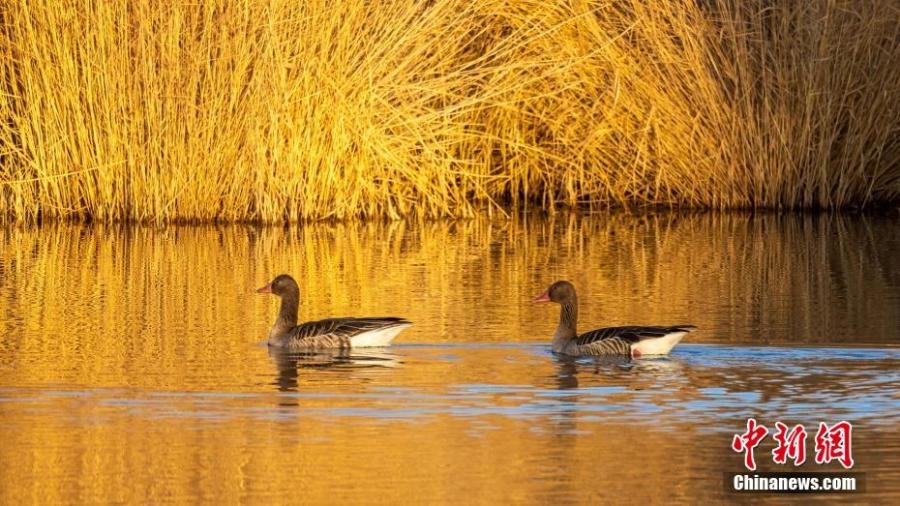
(133, 366)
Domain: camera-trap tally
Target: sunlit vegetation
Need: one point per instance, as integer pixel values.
(282, 110)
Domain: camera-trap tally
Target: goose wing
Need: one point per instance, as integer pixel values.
(338, 331)
(630, 335)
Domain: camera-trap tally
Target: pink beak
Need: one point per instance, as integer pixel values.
(265, 289)
(544, 297)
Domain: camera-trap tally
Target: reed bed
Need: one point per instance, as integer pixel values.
(274, 110)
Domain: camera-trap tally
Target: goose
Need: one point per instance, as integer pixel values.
(631, 341)
(331, 333)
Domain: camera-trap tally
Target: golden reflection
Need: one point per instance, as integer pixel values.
(134, 371)
(131, 291)
(291, 364)
(100, 299)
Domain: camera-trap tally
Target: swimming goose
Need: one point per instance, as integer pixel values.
(331, 333)
(622, 341)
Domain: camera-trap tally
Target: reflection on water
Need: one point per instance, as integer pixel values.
(290, 364)
(131, 368)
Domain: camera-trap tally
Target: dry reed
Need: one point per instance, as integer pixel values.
(278, 110)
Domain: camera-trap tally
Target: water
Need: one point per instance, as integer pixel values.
(133, 369)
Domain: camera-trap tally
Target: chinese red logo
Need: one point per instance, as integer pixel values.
(832, 443)
(747, 441)
(790, 445)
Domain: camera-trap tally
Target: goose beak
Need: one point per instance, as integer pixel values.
(544, 297)
(265, 289)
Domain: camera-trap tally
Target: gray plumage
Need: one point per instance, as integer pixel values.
(333, 332)
(619, 340)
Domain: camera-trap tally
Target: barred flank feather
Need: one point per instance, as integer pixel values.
(342, 333)
(622, 340)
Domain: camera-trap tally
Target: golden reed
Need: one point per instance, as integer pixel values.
(274, 110)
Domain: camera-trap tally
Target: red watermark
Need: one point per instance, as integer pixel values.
(749, 440)
(832, 443)
(790, 445)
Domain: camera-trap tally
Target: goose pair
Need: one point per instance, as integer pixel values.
(346, 333)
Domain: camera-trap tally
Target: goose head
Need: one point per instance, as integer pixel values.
(561, 292)
(282, 285)
(286, 288)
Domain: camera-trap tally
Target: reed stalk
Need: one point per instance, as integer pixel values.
(275, 110)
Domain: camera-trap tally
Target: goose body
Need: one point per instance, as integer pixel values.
(330, 333)
(631, 341)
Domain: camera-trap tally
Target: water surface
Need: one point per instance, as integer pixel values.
(132, 369)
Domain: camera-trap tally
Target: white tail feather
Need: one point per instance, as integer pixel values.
(659, 345)
(379, 337)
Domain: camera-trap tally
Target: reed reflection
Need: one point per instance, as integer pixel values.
(105, 299)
